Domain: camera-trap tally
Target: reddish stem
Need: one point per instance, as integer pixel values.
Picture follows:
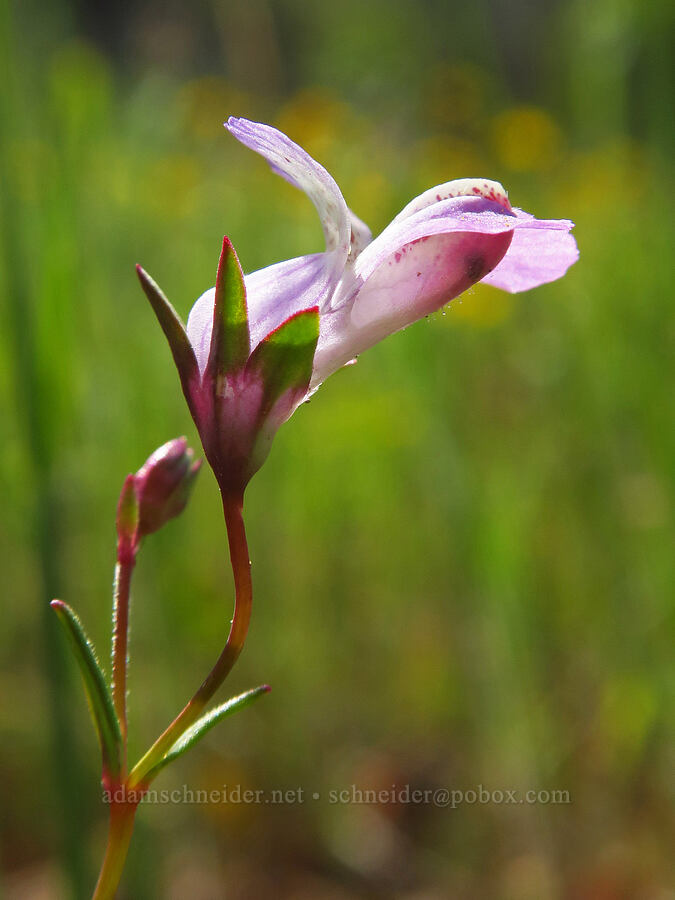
(123, 572)
(122, 816)
(241, 569)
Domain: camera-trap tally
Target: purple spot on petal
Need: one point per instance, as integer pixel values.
(475, 267)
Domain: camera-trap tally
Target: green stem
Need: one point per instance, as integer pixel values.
(121, 827)
(121, 593)
(241, 569)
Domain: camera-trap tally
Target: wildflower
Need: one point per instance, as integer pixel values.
(256, 347)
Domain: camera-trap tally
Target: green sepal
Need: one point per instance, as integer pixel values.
(284, 359)
(197, 731)
(174, 331)
(230, 341)
(127, 511)
(98, 696)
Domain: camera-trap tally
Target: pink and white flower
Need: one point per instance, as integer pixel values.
(256, 347)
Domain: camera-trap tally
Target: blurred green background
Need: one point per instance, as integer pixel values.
(462, 547)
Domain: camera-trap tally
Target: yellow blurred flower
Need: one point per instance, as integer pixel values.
(526, 139)
(316, 119)
(482, 306)
(370, 196)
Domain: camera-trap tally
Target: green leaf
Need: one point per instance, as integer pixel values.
(230, 341)
(173, 329)
(284, 359)
(100, 702)
(197, 731)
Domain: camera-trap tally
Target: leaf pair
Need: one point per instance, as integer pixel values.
(103, 711)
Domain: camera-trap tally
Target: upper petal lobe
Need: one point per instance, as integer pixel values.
(295, 165)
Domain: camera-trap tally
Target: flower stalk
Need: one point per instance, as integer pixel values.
(122, 818)
(241, 570)
(120, 654)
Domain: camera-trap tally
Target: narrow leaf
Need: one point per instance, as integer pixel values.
(197, 731)
(284, 359)
(173, 329)
(100, 702)
(230, 342)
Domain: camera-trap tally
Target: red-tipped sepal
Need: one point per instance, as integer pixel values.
(175, 333)
(278, 373)
(282, 361)
(230, 341)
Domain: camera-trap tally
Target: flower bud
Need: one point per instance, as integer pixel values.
(163, 485)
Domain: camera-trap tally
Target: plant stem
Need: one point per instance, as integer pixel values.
(241, 569)
(123, 573)
(121, 827)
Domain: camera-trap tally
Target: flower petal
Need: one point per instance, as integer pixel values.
(295, 165)
(461, 214)
(200, 326)
(460, 187)
(410, 283)
(535, 257)
(361, 236)
(418, 264)
(277, 292)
